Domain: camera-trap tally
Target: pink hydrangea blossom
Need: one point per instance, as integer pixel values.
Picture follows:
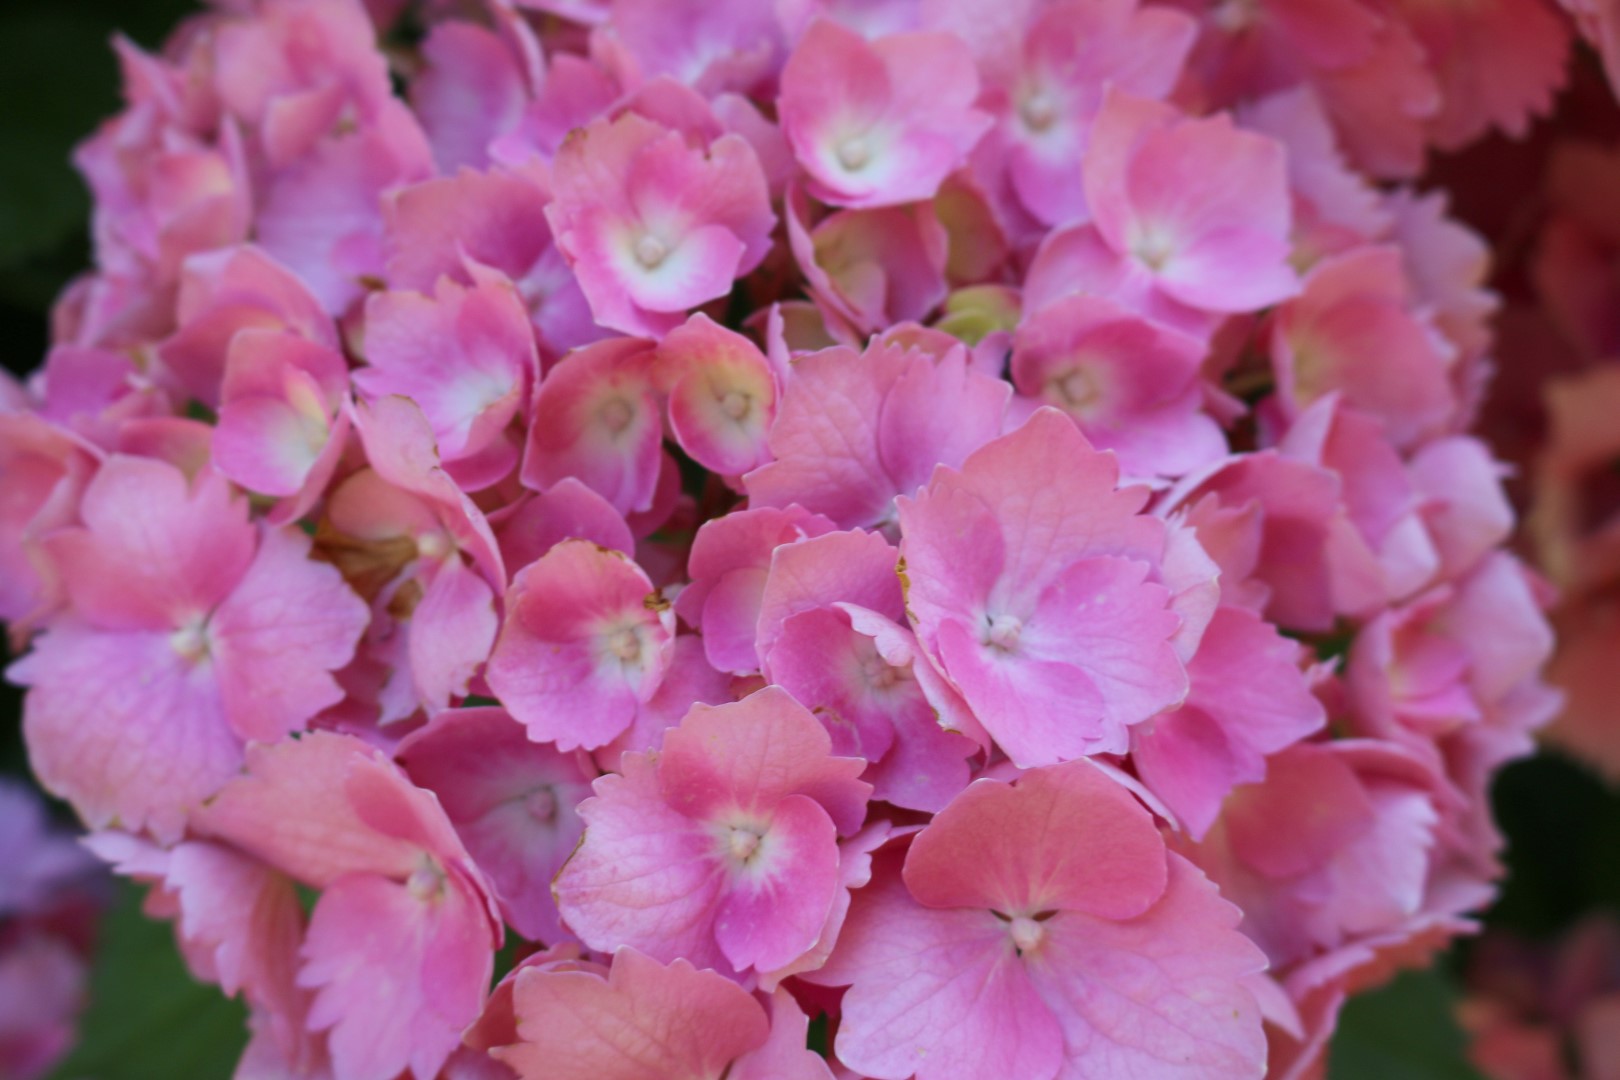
(979, 957)
(1030, 580)
(644, 1021)
(721, 848)
(971, 520)
(879, 123)
(585, 642)
(652, 226)
(193, 632)
(402, 907)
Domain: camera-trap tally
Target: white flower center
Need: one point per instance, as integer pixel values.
(1038, 110)
(741, 844)
(736, 404)
(651, 251)
(1003, 631)
(625, 644)
(1026, 933)
(191, 640)
(1078, 388)
(426, 881)
(879, 674)
(854, 154)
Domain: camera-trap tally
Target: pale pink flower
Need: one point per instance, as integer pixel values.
(467, 358)
(653, 226)
(728, 565)
(401, 943)
(465, 225)
(1131, 385)
(1353, 331)
(597, 418)
(1248, 699)
(647, 1021)
(1032, 584)
(855, 430)
(722, 395)
(190, 633)
(1174, 252)
(723, 847)
(282, 425)
(1085, 947)
(879, 123)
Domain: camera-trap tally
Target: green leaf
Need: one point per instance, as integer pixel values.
(1404, 1031)
(147, 1017)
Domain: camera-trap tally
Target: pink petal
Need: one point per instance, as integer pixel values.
(1067, 837)
(155, 552)
(773, 912)
(125, 727)
(396, 977)
(513, 803)
(754, 753)
(1159, 995)
(289, 623)
(645, 875)
(938, 995)
(643, 1022)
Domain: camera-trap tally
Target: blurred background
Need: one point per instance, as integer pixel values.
(1550, 945)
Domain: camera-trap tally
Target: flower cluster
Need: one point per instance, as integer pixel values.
(51, 892)
(949, 519)
(1546, 1011)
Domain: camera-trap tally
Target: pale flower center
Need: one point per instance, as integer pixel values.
(1026, 933)
(736, 404)
(1078, 388)
(1003, 631)
(625, 644)
(878, 673)
(616, 415)
(651, 251)
(426, 881)
(191, 640)
(854, 153)
(1153, 246)
(1038, 110)
(741, 844)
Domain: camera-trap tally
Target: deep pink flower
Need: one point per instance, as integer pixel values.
(512, 802)
(584, 645)
(1071, 52)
